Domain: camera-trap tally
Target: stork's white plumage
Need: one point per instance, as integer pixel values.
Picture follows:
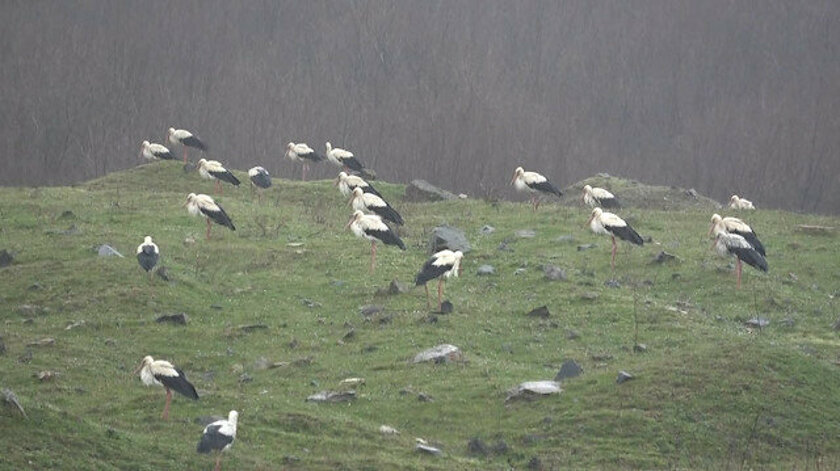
(162, 373)
(441, 265)
(148, 254)
(736, 226)
(371, 227)
(534, 183)
(214, 170)
(185, 139)
(594, 196)
(727, 245)
(301, 152)
(151, 151)
(205, 205)
(347, 183)
(736, 202)
(374, 204)
(260, 179)
(605, 223)
(343, 158)
(218, 436)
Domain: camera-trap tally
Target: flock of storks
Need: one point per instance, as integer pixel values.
(733, 237)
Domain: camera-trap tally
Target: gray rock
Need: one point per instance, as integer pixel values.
(485, 270)
(338, 283)
(421, 190)
(332, 396)
(519, 271)
(612, 284)
(423, 397)
(564, 239)
(423, 448)
(589, 296)
(106, 250)
(12, 401)
(541, 312)
(640, 348)
(67, 214)
(251, 327)
(583, 247)
(477, 447)
(443, 353)
(759, 322)
(663, 257)
(2, 347)
(487, 229)
(180, 318)
(446, 307)
(30, 310)
(569, 369)
(245, 378)
(310, 303)
(623, 376)
(572, 334)
(6, 258)
(554, 273)
(398, 287)
(448, 237)
(163, 273)
(533, 389)
(525, 234)
(500, 448)
(370, 309)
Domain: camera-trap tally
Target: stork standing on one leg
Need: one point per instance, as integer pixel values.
(204, 205)
(260, 179)
(534, 183)
(374, 204)
(185, 139)
(599, 197)
(303, 153)
(162, 373)
(727, 245)
(219, 437)
(609, 224)
(441, 265)
(150, 151)
(737, 226)
(148, 255)
(371, 227)
(344, 159)
(347, 183)
(214, 170)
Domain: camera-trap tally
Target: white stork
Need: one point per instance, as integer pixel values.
(609, 224)
(371, 227)
(374, 204)
(185, 139)
(441, 265)
(347, 183)
(214, 170)
(162, 373)
(203, 204)
(260, 179)
(736, 202)
(599, 197)
(302, 152)
(737, 226)
(151, 151)
(219, 437)
(148, 255)
(534, 183)
(727, 244)
(344, 159)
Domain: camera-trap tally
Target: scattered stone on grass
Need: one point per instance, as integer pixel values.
(554, 273)
(6, 258)
(12, 401)
(500, 448)
(423, 446)
(2, 347)
(600, 357)
(370, 309)
(589, 296)
(251, 327)
(541, 312)
(245, 378)
(423, 397)
(398, 287)
(815, 230)
(443, 353)
(421, 190)
(163, 273)
(30, 310)
(346, 382)
(759, 322)
(525, 234)
(569, 369)
(42, 343)
(180, 318)
(106, 250)
(640, 348)
(332, 396)
(623, 376)
(217, 307)
(310, 303)
(448, 237)
(388, 430)
(583, 247)
(533, 389)
(572, 334)
(446, 307)
(47, 375)
(612, 284)
(477, 447)
(663, 257)
(564, 239)
(485, 270)
(75, 324)
(487, 229)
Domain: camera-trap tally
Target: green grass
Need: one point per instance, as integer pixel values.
(709, 393)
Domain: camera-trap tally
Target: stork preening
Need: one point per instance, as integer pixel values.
(371, 227)
(260, 179)
(150, 151)
(534, 183)
(344, 159)
(374, 204)
(185, 139)
(162, 373)
(605, 223)
(214, 170)
(219, 437)
(727, 245)
(203, 204)
(599, 197)
(736, 202)
(737, 226)
(303, 153)
(148, 255)
(441, 265)
(347, 183)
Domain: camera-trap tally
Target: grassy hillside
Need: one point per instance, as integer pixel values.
(709, 392)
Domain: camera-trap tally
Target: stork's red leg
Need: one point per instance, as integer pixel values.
(428, 303)
(185, 155)
(614, 248)
(305, 169)
(440, 295)
(738, 272)
(218, 462)
(372, 256)
(208, 228)
(166, 407)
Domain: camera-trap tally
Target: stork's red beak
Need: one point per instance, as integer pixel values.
(139, 367)
(353, 218)
(589, 221)
(513, 179)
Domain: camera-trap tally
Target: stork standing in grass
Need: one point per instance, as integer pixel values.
(202, 204)
(534, 183)
(371, 227)
(374, 204)
(344, 159)
(737, 226)
(214, 170)
(150, 151)
(185, 139)
(736, 202)
(260, 179)
(727, 245)
(162, 373)
(219, 437)
(599, 197)
(148, 255)
(347, 183)
(441, 265)
(605, 223)
(301, 152)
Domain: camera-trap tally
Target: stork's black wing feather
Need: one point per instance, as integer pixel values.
(313, 156)
(753, 240)
(430, 272)
(220, 217)
(178, 383)
(751, 257)
(370, 189)
(147, 258)
(213, 440)
(195, 142)
(546, 187)
(353, 164)
(388, 213)
(165, 156)
(226, 176)
(387, 237)
(608, 202)
(626, 233)
(261, 180)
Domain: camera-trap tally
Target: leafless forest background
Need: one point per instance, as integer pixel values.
(723, 96)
